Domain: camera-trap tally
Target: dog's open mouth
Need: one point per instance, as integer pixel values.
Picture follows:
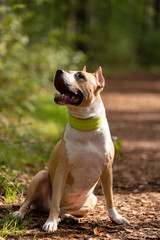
(68, 97)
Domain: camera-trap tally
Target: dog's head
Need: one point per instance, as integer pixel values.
(78, 88)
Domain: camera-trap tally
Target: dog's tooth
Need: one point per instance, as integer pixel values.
(73, 97)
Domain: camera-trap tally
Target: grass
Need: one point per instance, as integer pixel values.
(10, 194)
(10, 226)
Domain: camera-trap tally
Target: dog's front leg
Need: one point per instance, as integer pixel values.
(106, 181)
(58, 185)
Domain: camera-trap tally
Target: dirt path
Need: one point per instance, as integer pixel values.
(133, 110)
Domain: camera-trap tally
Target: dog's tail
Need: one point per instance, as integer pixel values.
(10, 206)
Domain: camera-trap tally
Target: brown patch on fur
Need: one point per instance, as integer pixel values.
(70, 179)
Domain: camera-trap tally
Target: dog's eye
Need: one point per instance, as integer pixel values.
(80, 75)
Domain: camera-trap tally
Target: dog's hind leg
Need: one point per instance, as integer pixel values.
(39, 194)
(87, 207)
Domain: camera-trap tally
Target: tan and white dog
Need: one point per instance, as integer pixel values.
(83, 155)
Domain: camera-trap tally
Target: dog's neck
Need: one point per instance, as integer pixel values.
(93, 111)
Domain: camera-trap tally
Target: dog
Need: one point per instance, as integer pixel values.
(82, 157)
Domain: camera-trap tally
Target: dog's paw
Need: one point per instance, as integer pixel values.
(50, 225)
(18, 214)
(116, 217)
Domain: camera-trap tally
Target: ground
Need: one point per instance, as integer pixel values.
(133, 110)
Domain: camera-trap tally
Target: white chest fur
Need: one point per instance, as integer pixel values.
(87, 152)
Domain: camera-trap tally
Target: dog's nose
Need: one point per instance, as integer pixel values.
(58, 76)
(59, 72)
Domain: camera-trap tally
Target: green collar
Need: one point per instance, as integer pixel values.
(85, 124)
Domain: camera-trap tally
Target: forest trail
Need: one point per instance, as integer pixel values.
(133, 110)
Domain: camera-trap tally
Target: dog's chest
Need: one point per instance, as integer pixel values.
(87, 153)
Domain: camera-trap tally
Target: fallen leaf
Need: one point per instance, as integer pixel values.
(96, 231)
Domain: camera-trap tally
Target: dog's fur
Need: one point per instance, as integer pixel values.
(79, 159)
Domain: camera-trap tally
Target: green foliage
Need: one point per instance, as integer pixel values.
(25, 67)
(37, 37)
(14, 81)
(24, 149)
(118, 148)
(123, 33)
(149, 50)
(31, 141)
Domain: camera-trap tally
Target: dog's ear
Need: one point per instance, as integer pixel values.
(84, 69)
(100, 77)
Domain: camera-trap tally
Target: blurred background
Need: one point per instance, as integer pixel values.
(37, 37)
